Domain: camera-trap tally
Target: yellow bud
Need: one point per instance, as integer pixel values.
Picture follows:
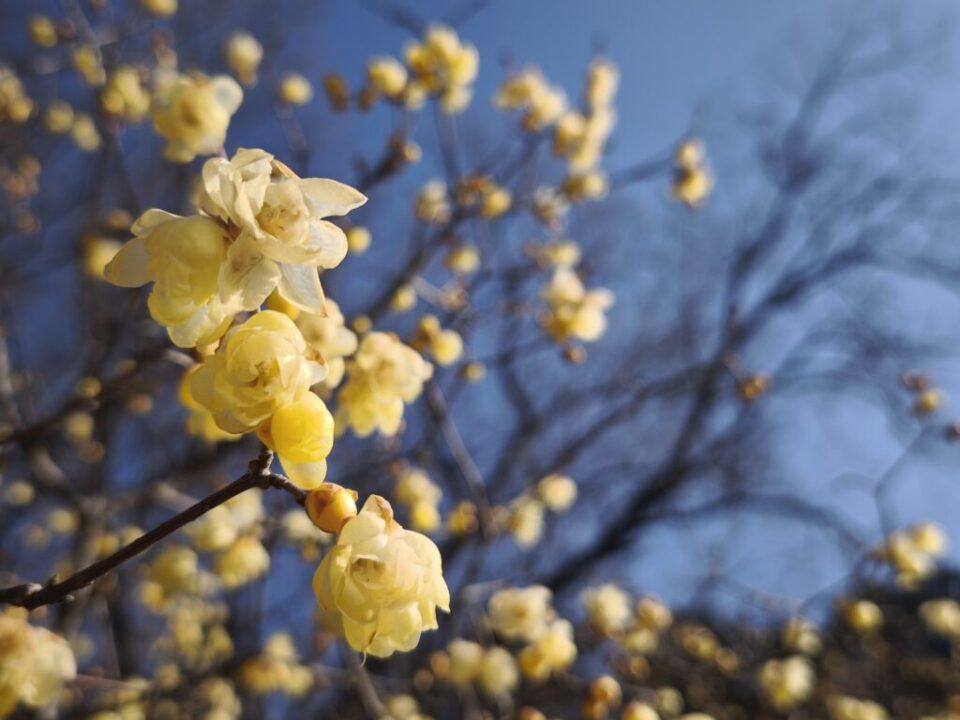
(403, 299)
(358, 239)
(362, 324)
(330, 506)
(295, 89)
(42, 31)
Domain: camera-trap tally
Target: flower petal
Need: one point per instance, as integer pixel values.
(300, 286)
(247, 277)
(129, 267)
(329, 197)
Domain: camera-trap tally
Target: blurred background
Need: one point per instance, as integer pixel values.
(771, 399)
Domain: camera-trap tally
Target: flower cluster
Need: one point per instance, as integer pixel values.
(692, 181)
(572, 311)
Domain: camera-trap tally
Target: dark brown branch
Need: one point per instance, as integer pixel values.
(34, 595)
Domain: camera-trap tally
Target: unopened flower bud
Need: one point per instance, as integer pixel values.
(330, 506)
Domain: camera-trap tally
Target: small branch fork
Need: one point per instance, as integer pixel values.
(258, 475)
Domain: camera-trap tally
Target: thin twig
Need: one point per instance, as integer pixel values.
(34, 595)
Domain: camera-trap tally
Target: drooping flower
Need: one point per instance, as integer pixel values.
(381, 585)
(520, 613)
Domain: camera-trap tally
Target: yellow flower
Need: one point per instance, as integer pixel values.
(387, 76)
(382, 376)
(558, 492)
(244, 54)
(842, 707)
(182, 257)
(498, 674)
(87, 61)
(863, 616)
(465, 657)
(528, 90)
(261, 366)
(525, 522)
(608, 608)
(295, 89)
(573, 312)
(277, 669)
(692, 179)
(799, 635)
(160, 8)
(446, 346)
(34, 663)
(219, 528)
(200, 422)
(15, 106)
(603, 77)
(463, 260)
(788, 682)
(381, 585)
(331, 338)
(282, 235)
(942, 616)
(175, 570)
(97, 254)
(358, 239)
(301, 433)
(193, 113)
(42, 31)
(432, 204)
(84, 132)
(520, 613)
(553, 651)
(243, 562)
(124, 95)
(58, 117)
(444, 66)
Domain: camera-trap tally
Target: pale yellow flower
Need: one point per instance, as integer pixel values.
(520, 613)
(553, 651)
(282, 236)
(465, 657)
(498, 674)
(277, 669)
(42, 31)
(244, 54)
(220, 527)
(863, 615)
(942, 616)
(842, 707)
(243, 562)
(381, 585)
(608, 608)
(331, 338)
(573, 312)
(525, 522)
(261, 366)
(446, 346)
(558, 492)
(182, 257)
(382, 376)
(301, 433)
(200, 422)
(788, 682)
(432, 204)
(124, 95)
(34, 663)
(192, 113)
(444, 66)
(387, 76)
(528, 90)
(295, 89)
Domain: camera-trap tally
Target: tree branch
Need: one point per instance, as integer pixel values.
(34, 595)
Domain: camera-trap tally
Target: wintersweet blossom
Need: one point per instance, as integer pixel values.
(182, 257)
(34, 663)
(553, 651)
(244, 54)
(331, 338)
(572, 311)
(444, 66)
(301, 433)
(281, 234)
(200, 422)
(381, 585)
(608, 608)
(542, 104)
(261, 366)
(192, 113)
(521, 614)
(787, 682)
(382, 376)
